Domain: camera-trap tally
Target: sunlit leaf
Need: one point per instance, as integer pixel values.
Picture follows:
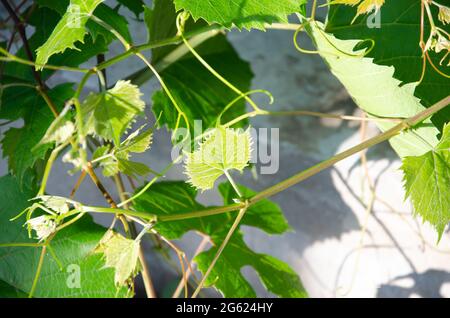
(121, 254)
(224, 149)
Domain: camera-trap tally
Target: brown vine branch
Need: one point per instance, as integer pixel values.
(21, 29)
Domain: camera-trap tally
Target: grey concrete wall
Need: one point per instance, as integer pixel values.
(395, 255)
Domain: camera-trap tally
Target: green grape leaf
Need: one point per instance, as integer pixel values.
(8, 291)
(178, 198)
(376, 91)
(241, 13)
(222, 150)
(399, 19)
(81, 273)
(121, 254)
(113, 19)
(19, 144)
(109, 114)
(276, 276)
(9, 108)
(69, 30)
(135, 6)
(160, 22)
(187, 78)
(427, 182)
(133, 169)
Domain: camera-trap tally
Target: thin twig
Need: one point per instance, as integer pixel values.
(220, 250)
(199, 249)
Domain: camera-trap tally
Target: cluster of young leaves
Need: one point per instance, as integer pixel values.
(70, 269)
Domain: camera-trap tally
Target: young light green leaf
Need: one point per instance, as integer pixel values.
(427, 183)
(109, 114)
(59, 132)
(222, 150)
(121, 254)
(106, 160)
(241, 13)
(57, 204)
(70, 30)
(178, 198)
(133, 169)
(105, 13)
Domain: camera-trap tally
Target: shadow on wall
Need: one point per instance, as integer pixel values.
(315, 207)
(427, 284)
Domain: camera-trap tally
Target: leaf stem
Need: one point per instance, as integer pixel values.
(233, 184)
(38, 271)
(48, 167)
(332, 116)
(305, 174)
(403, 125)
(155, 44)
(216, 74)
(220, 250)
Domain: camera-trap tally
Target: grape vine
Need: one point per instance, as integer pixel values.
(201, 78)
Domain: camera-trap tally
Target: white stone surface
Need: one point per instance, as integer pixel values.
(396, 256)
